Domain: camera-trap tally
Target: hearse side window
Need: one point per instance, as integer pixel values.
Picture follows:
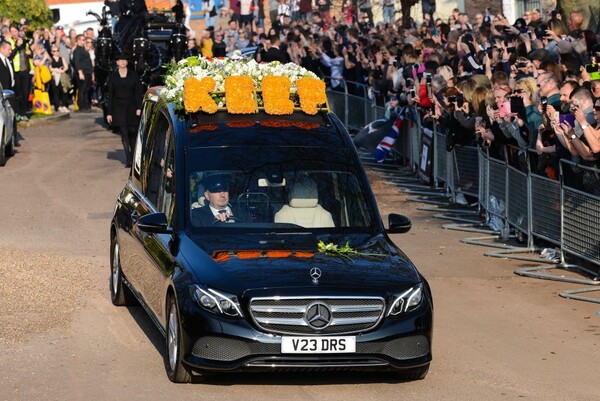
(153, 158)
(141, 137)
(166, 201)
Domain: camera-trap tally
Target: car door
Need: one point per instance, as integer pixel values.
(159, 191)
(133, 204)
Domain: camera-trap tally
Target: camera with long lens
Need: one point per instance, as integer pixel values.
(402, 99)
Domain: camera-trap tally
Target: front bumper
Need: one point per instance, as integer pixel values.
(215, 344)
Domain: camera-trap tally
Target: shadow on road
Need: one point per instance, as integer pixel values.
(148, 327)
(118, 155)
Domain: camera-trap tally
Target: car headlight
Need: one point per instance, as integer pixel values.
(217, 302)
(407, 301)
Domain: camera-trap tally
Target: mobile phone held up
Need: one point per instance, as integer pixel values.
(567, 119)
(504, 110)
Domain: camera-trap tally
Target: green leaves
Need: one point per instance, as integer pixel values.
(36, 11)
(343, 251)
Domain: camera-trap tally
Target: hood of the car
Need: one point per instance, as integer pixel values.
(262, 264)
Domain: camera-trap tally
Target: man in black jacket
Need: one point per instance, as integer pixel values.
(275, 53)
(82, 65)
(216, 209)
(7, 80)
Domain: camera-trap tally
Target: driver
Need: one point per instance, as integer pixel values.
(216, 208)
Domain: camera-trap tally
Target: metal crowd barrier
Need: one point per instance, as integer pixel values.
(352, 105)
(519, 198)
(568, 218)
(442, 158)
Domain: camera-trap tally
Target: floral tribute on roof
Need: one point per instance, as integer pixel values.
(241, 86)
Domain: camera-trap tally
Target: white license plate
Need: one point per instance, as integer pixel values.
(318, 345)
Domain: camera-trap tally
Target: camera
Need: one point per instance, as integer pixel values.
(407, 72)
(594, 70)
(521, 64)
(402, 99)
(540, 32)
(591, 67)
(490, 51)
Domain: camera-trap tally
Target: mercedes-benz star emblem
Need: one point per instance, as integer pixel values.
(318, 315)
(315, 274)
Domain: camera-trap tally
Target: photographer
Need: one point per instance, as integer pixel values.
(22, 65)
(335, 62)
(312, 56)
(573, 138)
(525, 90)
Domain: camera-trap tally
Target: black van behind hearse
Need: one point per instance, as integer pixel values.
(254, 243)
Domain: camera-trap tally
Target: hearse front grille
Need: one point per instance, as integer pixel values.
(317, 316)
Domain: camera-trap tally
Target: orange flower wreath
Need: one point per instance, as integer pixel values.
(312, 93)
(276, 95)
(239, 95)
(196, 95)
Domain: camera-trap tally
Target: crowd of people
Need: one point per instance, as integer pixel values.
(481, 79)
(68, 56)
(533, 83)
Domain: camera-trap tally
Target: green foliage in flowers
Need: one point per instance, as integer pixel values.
(219, 69)
(344, 251)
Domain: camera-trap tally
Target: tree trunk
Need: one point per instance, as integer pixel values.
(405, 6)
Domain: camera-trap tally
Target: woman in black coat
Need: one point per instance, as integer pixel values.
(125, 94)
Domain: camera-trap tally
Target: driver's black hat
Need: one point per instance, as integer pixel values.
(216, 183)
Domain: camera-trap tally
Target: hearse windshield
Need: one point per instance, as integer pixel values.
(275, 188)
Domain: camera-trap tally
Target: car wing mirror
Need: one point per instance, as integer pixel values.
(7, 94)
(154, 223)
(398, 224)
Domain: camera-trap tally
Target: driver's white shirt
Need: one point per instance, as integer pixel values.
(215, 211)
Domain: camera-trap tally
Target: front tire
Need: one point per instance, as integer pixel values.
(120, 294)
(9, 150)
(176, 371)
(3, 147)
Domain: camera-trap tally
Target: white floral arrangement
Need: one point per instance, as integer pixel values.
(219, 69)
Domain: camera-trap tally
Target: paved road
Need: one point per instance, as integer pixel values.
(497, 336)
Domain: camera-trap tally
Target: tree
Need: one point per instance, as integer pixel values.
(36, 11)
